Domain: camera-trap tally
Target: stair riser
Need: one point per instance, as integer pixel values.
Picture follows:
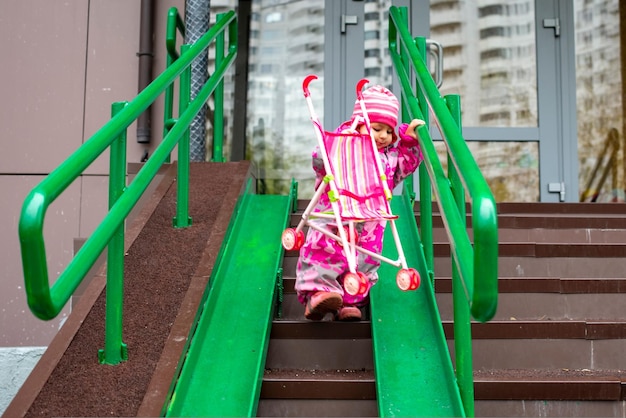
(541, 408)
(549, 306)
(570, 267)
(547, 267)
(320, 354)
(573, 236)
(516, 306)
(547, 354)
(316, 408)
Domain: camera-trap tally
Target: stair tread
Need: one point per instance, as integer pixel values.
(602, 329)
(304, 374)
(550, 375)
(554, 384)
(320, 330)
(532, 235)
(318, 384)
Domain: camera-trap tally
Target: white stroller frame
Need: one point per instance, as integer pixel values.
(354, 281)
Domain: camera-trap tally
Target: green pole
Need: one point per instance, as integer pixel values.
(426, 196)
(114, 349)
(462, 315)
(182, 219)
(218, 114)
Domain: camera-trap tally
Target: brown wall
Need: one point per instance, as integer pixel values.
(63, 65)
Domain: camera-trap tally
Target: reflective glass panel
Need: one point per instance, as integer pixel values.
(286, 44)
(598, 100)
(489, 59)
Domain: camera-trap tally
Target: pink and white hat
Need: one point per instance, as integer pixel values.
(381, 106)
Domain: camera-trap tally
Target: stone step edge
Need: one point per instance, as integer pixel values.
(561, 285)
(513, 208)
(493, 330)
(540, 250)
(529, 385)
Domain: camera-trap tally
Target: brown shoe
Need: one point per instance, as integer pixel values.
(322, 303)
(349, 313)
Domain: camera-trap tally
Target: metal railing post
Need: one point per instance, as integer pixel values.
(426, 194)
(462, 315)
(114, 349)
(182, 219)
(218, 96)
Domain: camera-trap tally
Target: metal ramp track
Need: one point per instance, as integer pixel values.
(414, 373)
(223, 370)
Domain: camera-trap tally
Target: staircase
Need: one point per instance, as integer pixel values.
(554, 347)
(556, 344)
(316, 368)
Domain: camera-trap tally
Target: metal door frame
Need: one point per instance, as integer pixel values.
(556, 133)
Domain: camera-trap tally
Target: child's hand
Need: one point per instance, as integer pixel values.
(415, 123)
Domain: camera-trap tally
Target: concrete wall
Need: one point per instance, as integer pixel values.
(64, 63)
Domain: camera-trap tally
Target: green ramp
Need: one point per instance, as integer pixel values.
(223, 370)
(414, 373)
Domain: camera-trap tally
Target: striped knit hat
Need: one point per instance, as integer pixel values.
(381, 106)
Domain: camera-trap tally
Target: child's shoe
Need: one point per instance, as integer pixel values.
(349, 313)
(322, 303)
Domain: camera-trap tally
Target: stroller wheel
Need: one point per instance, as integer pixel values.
(355, 283)
(408, 279)
(292, 239)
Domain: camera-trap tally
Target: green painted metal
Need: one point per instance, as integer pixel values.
(414, 373)
(181, 220)
(462, 316)
(47, 301)
(474, 264)
(223, 368)
(114, 349)
(218, 114)
(479, 278)
(174, 25)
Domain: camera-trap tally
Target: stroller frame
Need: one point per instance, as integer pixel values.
(374, 206)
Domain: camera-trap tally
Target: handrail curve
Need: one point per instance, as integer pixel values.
(479, 278)
(475, 265)
(47, 301)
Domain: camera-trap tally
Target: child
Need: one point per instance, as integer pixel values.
(322, 263)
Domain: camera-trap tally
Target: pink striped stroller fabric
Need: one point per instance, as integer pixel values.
(361, 193)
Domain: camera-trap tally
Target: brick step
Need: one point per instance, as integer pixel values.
(529, 392)
(526, 266)
(495, 384)
(545, 284)
(536, 215)
(537, 344)
(555, 384)
(493, 330)
(325, 345)
(548, 221)
(540, 249)
(335, 392)
(533, 298)
(549, 235)
(524, 221)
(526, 208)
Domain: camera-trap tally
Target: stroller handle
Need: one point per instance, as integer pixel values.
(306, 82)
(359, 88)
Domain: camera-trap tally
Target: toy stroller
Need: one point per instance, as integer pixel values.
(358, 192)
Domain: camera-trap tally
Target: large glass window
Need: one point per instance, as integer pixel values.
(279, 131)
(489, 60)
(599, 100)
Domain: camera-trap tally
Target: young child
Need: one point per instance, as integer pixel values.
(322, 263)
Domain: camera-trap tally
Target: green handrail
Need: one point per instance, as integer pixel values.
(45, 301)
(174, 23)
(475, 266)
